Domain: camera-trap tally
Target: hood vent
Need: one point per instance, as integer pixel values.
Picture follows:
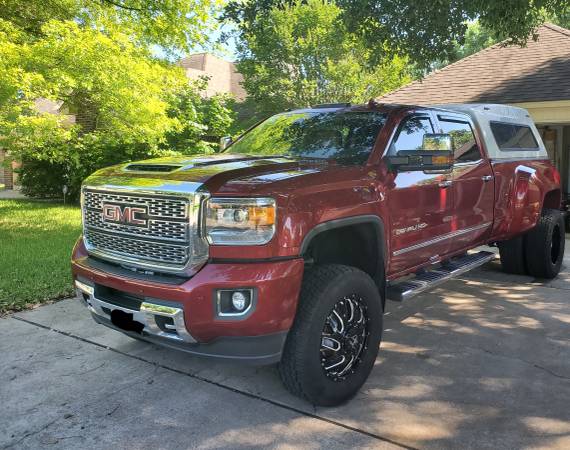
(162, 168)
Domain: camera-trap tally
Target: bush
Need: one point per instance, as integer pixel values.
(45, 178)
(70, 164)
(42, 179)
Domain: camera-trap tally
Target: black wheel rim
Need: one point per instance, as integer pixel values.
(344, 338)
(555, 245)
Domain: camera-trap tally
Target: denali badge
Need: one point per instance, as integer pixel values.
(129, 215)
(416, 227)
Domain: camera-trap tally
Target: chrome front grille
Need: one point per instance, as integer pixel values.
(163, 240)
(163, 207)
(150, 251)
(162, 229)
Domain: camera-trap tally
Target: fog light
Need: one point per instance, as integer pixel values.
(239, 301)
(234, 302)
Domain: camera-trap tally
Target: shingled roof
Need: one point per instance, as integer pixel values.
(499, 74)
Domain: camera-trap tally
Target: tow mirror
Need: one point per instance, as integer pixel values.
(436, 154)
(225, 142)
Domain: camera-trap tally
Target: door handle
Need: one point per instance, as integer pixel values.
(487, 178)
(445, 184)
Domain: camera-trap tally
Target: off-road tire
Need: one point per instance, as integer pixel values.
(300, 367)
(513, 255)
(545, 245)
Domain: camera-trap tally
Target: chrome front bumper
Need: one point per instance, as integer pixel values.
(147, 315)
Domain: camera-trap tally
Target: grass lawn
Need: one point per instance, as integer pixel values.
(36, 239)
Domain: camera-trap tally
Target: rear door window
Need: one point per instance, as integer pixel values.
(511, 136)
(465, 147)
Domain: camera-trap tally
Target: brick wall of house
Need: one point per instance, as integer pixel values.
(6, 174)
(223, 76)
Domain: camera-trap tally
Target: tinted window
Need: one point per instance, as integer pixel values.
(410, 136)
(346, 137)
(464, 146)
(513, 137)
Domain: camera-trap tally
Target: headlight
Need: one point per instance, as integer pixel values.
(240, 221)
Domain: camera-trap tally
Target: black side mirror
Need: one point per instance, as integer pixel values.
(436, 154)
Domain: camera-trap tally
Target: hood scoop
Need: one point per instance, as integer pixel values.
(161, 168)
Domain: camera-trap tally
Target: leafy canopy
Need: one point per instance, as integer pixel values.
(425, 31)
(302, 54)
(125, 92)
(90, 64)
(173, 24)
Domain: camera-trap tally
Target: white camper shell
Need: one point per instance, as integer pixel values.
(503, 128)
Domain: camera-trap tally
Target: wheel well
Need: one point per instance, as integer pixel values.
(552, 200)
(356, 245)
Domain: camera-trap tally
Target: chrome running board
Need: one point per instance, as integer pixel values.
(410, 287)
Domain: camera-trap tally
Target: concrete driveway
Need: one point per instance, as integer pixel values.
(482, 362)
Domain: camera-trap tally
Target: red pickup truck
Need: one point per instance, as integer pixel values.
(284, 246)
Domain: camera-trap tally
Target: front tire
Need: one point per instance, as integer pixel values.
(545, 245)
(334, 341)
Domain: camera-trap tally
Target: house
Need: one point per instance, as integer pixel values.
(7, 176)
(535, 77)
(223, 75)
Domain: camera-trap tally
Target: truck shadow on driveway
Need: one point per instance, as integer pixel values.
(481, 362)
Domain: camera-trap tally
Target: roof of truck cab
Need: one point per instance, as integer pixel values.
(364, 107)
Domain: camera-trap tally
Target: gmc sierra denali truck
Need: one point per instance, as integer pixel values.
(285, 245)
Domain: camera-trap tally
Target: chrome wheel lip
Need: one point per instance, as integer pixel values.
(344, 337)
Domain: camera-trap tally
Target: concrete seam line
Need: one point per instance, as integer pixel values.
(220, 385)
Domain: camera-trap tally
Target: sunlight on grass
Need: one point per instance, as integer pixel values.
(36, 239)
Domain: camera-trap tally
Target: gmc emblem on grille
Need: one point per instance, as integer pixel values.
(128, 215)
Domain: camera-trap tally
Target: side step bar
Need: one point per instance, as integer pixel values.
(404, 290)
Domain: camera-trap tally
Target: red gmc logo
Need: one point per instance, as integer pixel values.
(129, 215)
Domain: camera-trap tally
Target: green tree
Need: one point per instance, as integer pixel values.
(173, 24)
(100, 71)
(477, 38)
(202, 120)
(425, 31)
(302, 54)
(560, 18)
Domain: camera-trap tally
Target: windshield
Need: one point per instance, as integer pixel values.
(346, 137)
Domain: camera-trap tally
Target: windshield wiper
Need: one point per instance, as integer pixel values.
(297, 157)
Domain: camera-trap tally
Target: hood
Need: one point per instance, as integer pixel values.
(212, 173)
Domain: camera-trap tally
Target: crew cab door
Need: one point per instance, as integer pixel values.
(473, 184)
(420, 203)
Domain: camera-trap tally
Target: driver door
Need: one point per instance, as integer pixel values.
(420, 203)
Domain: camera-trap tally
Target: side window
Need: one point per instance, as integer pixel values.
(513, 137)
(465, 147)
(410, 135)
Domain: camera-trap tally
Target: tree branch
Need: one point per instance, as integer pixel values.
(122, 6)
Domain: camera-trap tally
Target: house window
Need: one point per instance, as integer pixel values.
(510, 136)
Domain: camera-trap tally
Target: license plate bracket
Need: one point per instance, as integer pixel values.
(125, 321)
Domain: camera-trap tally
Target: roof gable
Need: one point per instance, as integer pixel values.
(499, 74)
